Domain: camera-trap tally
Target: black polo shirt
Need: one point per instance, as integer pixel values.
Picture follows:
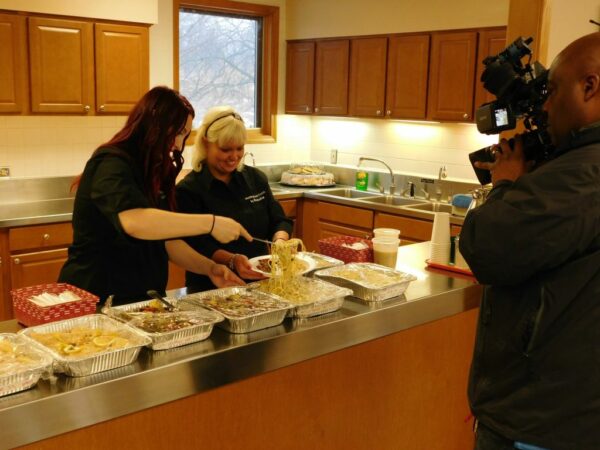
(103, 259)
(247, 198)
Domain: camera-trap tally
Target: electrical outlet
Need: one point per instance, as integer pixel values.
(333, 156)
(4, 171)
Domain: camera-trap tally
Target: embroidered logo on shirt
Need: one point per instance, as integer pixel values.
(256, 197)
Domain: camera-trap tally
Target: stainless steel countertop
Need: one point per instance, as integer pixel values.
(158, 377)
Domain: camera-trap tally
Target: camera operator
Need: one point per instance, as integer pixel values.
(535, 244)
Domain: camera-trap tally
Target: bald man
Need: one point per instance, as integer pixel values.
(535, 245)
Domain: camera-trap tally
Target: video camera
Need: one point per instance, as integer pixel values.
(520, 90)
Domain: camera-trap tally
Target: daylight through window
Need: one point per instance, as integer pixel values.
(220, 62)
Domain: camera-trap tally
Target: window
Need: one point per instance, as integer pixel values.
(226, 54)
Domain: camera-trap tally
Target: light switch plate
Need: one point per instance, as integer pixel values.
(333, 156)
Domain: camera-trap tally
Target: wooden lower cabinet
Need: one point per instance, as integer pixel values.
(29, 269)
(411, 230)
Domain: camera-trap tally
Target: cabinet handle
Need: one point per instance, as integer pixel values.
(101, 107)
(389, 112)
(46, 236)
(86, 108)
(316, 110)
(17, 261)
(378, 112)
(465, 116)
(307, 109)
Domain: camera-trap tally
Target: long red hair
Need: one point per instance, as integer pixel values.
(148, 137)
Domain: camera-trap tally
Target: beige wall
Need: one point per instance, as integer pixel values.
(324, 18)
(569, 20)
(144, 11)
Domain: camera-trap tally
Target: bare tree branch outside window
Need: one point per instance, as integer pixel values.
(219, 63)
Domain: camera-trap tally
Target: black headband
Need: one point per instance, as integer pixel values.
(235, 116)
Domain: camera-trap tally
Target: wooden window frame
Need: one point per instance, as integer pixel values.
(270, 54)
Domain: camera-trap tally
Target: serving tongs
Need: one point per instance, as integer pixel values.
(155, 295)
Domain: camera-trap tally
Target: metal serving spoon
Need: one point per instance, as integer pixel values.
(154, 294)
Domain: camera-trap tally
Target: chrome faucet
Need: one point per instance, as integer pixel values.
(252, 155)
(410, 189)
(442, 174)
(392, 185)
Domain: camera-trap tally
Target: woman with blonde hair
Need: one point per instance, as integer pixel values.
(221, 184)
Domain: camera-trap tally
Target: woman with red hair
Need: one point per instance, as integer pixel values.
(124, 230)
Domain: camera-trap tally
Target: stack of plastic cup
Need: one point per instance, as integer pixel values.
(386, 232)
(385, 250)
(440, 239)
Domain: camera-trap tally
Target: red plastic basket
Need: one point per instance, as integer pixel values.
(334, 247)
(29, 314)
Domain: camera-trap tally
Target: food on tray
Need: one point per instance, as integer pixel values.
(307, 175)
(168, 321)
(241, 304)
(82, 341)
(299, 290)
(15, 357)
(153, 306)
(369, 275)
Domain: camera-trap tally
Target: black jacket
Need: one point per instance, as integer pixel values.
(535, 243)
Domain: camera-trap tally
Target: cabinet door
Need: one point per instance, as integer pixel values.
(452, 76)
(61, 59)
(408, 66)
(29, 269)
(331, 77)
(367, 77)
(122, 66)
(13, 70)
(491, 42)
(300, 77)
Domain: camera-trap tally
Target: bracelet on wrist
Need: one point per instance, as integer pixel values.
(212, 227)
(231, 262)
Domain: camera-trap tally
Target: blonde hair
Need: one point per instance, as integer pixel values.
(222, 125)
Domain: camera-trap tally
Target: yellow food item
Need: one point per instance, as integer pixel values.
(81, 341)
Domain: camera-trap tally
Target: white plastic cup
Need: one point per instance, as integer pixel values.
(386, 232)
(440, 234)
(385, 251)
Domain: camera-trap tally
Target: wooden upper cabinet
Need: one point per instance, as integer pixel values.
(368, 59)
(61, 62)
(122, 57)
(331, 77)
(452, 75)
(300, 77)
(491, 42)
(407, 70)
(13, 70)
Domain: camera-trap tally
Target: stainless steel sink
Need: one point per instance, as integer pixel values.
(433, 207)
(350, 193)
(393, 200)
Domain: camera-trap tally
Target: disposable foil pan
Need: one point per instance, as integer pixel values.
(276, 309)
(88, 365)
(174, 338)
(327, 297)
(321, 261)
(369, 282)
(17, 376)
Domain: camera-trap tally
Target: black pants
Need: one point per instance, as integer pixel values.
(486, 439)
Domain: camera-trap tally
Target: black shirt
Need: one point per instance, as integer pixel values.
(103, 259)
(247, 198)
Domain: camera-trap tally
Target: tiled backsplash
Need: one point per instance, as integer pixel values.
(47, 146)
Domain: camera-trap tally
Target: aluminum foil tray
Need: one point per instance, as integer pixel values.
(321, 261)
(323, 297)
(98, 362)
(262, 311)
(21, 364)
(174, 338)
(369, 282)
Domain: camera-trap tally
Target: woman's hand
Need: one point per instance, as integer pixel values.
(226, 230)
(221, 276)
(244, 268)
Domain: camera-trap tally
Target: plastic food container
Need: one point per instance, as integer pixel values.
(21, 364)
(78, 366)
(244, 309)
(28, 313)
(386, 233)
(369, 282)
(310, 296)
(202, 322)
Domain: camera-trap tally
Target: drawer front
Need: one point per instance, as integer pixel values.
(289, 207)
(40, 236)
(414, 230)
(356, 217)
